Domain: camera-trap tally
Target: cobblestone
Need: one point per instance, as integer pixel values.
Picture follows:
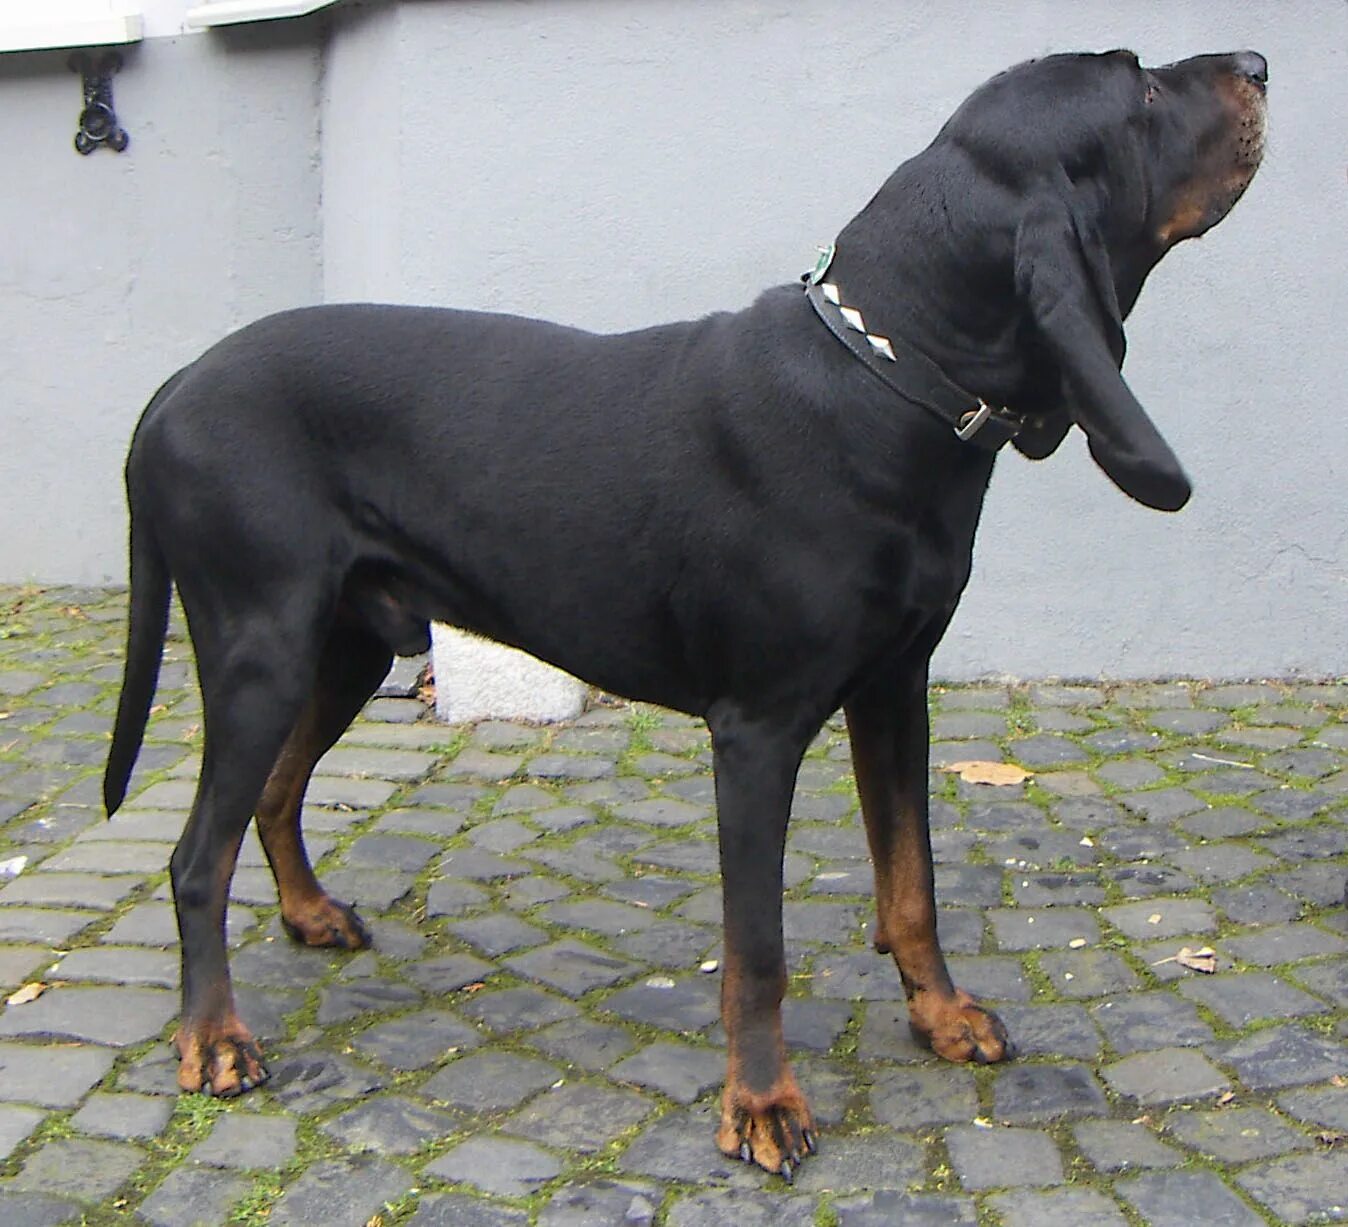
(1165, 1076)
(247, 1141)
(1056, 1208)
(1146, 1021)
(1236, 1135)
(497, 1165)
(341, 1193)
(1301, 1188)
(87, 1170)
(1285, 1056)
(531, 1039)
(1120, 1146)
(194, 1197)
(1039, 1094)
(16, 1123)
(1182, 1199)
(123, 1117)
(999, 1158)
(684, 1074)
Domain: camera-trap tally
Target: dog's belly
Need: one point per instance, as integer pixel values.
(632, 651)
(781, 614)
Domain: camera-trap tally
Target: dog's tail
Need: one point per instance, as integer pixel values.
(147, 625)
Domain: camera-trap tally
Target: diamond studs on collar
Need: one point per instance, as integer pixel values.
(853, 319)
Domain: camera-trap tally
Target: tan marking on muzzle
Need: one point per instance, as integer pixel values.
(1216, 188)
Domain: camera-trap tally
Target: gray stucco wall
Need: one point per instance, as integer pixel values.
(613, 164)
(117, 269)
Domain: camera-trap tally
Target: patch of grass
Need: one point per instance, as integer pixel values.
(54, 1129)
(197, 1112)
(399, 1211)
(1040, 981)
(1325, 1024)
(1020, 721)
(255, 1208)
(642, 719)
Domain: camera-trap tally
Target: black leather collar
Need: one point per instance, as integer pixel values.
(906, 371)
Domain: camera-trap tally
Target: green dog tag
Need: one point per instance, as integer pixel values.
(821, 265)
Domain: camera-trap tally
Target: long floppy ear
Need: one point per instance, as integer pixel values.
(1063, 278)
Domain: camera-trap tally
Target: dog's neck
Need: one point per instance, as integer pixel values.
(964, 316)
(904, 368)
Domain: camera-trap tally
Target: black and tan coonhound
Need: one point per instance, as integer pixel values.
(755, 517)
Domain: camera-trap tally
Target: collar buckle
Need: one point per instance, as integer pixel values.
(1006, 425)
(972, 422)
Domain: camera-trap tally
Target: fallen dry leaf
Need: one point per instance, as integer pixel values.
(426, 685)
(1154, 918)
(1225, 1098)
(1203, 959)
(29, 992)
(977, 771)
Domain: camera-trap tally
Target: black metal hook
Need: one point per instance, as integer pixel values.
(98, 121)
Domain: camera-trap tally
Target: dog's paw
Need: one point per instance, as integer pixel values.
(219, 1058)
(325, 922)
(776, 1130)
(959, 1029)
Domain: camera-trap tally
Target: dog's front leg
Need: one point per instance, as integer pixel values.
(764, 1116)
(888, 726)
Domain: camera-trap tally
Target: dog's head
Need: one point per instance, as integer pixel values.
(1114, 164)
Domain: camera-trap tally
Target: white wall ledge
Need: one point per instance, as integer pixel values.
(72, 31)
(230, 12)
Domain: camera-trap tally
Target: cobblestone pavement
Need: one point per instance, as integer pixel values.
(534, 1037)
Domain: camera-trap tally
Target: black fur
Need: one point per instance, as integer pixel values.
(728, 517)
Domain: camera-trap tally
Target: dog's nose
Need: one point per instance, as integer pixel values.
(1251, 64)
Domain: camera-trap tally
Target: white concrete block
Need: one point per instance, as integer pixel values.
(476, 679)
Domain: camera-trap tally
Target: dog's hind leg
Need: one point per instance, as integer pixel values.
(888, 726)
(353, 664)
(764, 1115)
(254, 677)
